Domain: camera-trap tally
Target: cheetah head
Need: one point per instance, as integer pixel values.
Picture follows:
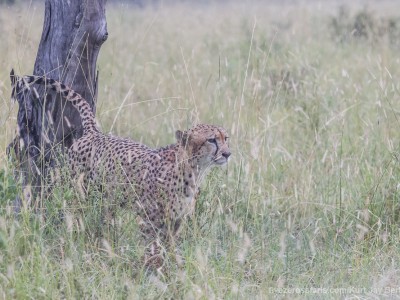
(206, 145)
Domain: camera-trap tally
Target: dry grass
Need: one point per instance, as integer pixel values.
(310, 199)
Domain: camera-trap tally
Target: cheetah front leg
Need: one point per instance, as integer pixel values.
(155, 251)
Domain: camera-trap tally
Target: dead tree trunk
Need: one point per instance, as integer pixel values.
(73, 33)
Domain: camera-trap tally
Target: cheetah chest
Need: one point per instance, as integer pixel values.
(184, 203)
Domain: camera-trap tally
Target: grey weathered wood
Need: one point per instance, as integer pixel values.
(73, 32)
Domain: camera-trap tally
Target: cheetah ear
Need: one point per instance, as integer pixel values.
(181, 137)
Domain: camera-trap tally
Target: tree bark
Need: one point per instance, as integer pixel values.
(73, 32)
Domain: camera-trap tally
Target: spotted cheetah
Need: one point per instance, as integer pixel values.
(161, 184)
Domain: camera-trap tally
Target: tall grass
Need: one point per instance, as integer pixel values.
(310, 198)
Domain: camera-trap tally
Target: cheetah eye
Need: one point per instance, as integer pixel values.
(213, 141)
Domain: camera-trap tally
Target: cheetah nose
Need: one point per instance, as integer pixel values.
(226, 154)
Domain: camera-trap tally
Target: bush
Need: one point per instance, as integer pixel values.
(364, 26)
(9, 2)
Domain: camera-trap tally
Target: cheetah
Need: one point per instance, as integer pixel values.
(161, 185)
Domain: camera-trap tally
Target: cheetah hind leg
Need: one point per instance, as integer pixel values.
(108, 213)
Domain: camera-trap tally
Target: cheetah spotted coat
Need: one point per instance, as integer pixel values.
(160, 184)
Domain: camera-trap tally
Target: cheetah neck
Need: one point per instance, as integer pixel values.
(191, 172)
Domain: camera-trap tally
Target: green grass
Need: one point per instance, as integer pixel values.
(309, 200)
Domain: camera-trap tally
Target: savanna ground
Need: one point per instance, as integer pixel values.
(309, 202)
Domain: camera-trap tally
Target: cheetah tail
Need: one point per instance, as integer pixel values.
(20, 84)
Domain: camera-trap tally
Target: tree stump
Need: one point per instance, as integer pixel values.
(73, 32)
